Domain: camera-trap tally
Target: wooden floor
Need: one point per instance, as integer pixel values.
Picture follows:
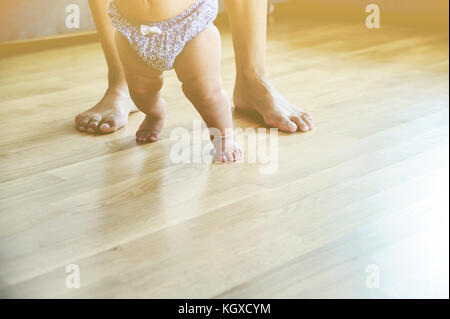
(365, 194)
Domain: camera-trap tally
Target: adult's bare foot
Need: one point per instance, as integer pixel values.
(108, 115)
(257, 94)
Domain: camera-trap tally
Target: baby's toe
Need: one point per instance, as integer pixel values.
(154, 136)
(141, 136)
(147, 137)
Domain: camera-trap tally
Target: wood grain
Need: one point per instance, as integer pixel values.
(369, 186)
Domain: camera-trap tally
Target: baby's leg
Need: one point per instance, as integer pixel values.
(198, 68)
(144, 83)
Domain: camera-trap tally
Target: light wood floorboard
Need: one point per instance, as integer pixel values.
(369, 186)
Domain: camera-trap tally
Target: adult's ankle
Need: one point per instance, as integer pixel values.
(117, 83)
(251, 74)
(118, 88)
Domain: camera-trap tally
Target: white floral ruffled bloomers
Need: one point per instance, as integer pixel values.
(159, 43)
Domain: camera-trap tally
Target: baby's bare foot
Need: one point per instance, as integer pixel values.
(151, 127)
(226, 150)
(110, 114)
(259, 95)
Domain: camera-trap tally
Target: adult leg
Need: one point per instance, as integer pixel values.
(253, 91)
(111, 112)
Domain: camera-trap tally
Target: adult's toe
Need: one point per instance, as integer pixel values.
(82, 124)
(308, 120)
(109, 125)
(93, 125)
(301, 125)
(281, 122)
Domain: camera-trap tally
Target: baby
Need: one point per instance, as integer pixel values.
(154, 36)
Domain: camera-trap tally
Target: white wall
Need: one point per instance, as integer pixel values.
(27, 19)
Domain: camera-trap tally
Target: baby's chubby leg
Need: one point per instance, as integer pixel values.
(144, 84)
(198, 68)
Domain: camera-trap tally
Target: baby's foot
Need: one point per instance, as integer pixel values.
(226, 150)
(151, 127)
